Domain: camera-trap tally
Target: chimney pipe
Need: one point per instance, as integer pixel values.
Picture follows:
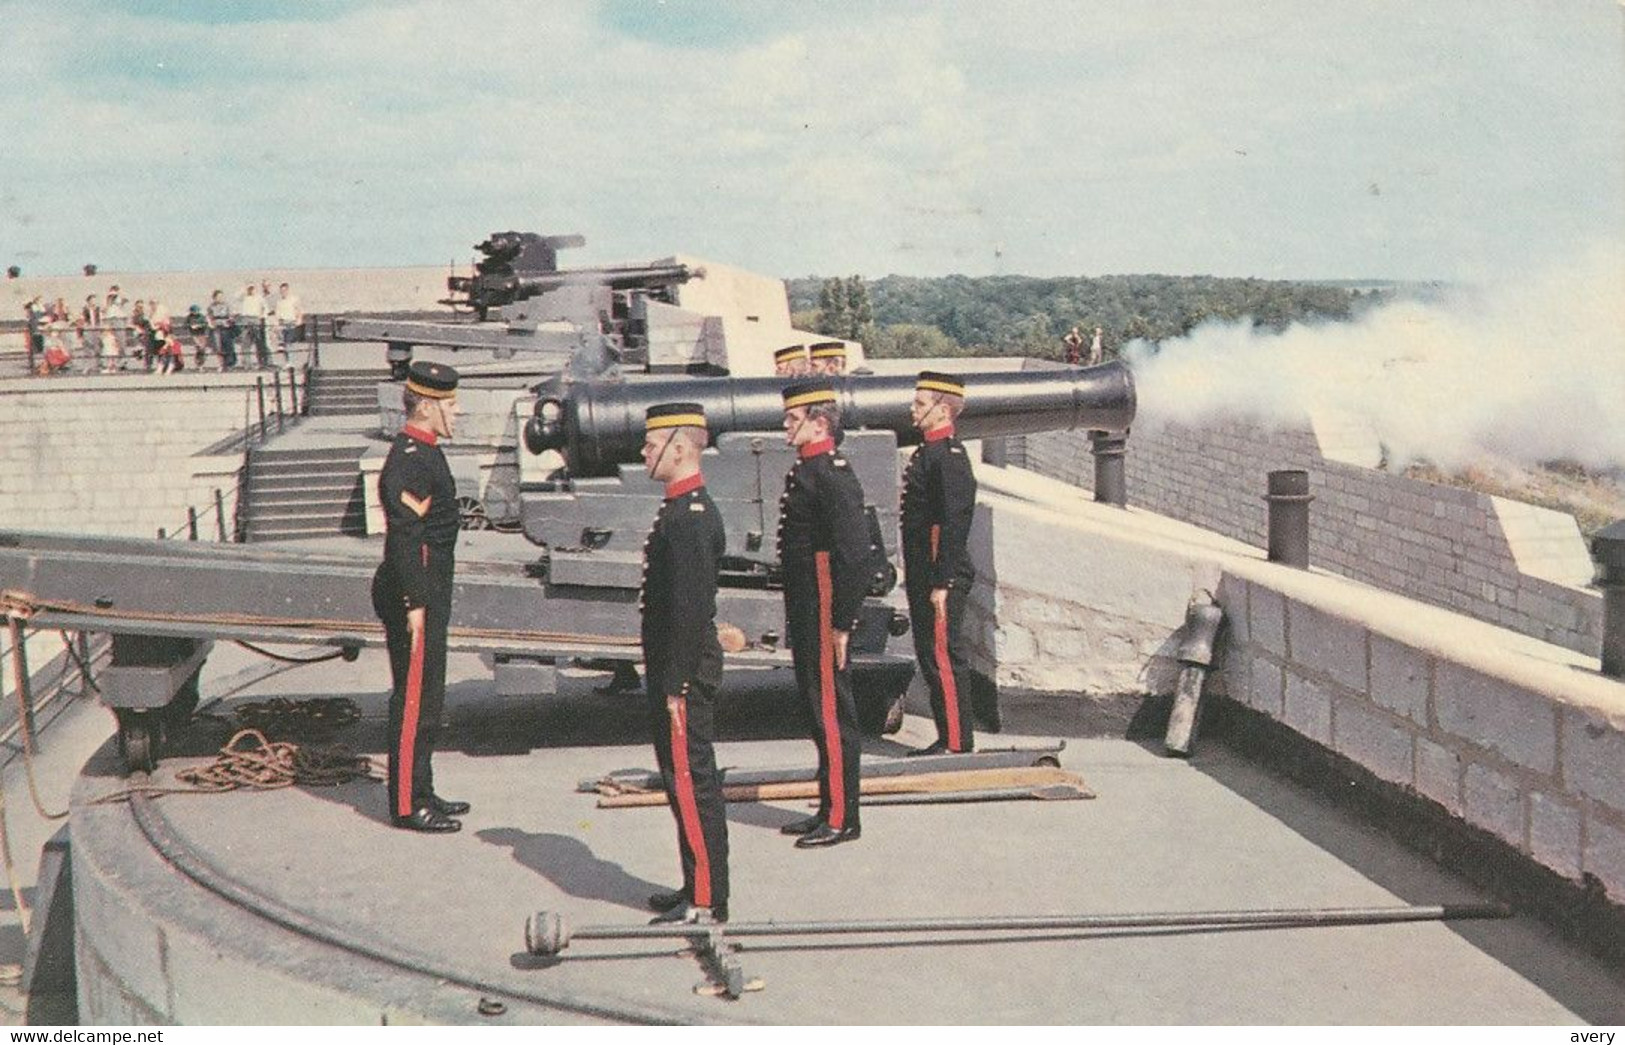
(1608, 551)
(1111, 484)
(1289, 499)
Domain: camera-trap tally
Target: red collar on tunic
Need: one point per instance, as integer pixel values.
(421, 435)
(816, 447)
(682, 486)
(938, 434)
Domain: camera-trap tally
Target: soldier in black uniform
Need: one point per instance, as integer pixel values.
(827, 357)
(790, 361)
(683, 658)
(411, 593)
(823, 548)
(939, 500)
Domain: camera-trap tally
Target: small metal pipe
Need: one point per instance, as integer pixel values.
(219, 515)
(546, 932)
(1289, 499)
(259, 392)
(191, 523)
(276, 382)
(1111, 482)
(1608, 551)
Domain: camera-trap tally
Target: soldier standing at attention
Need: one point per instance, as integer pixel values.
(790, 361)
(939, 499)
(828, 357)
(684, 658)
(823, 547)
(411, 593)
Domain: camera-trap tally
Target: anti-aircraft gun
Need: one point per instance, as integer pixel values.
(569, 590)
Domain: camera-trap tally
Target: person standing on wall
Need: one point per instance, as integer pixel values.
(411, 593)
(683, 658)
(823, 549)
(939, 501)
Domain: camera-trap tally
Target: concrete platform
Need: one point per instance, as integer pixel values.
(1163, 835)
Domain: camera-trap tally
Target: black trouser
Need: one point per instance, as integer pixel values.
(419, 674)
(940, 649)
(683, 730)
(826, 691)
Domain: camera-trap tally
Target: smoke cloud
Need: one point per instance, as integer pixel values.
(1531, 369)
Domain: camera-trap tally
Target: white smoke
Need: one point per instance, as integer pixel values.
(1531, 370)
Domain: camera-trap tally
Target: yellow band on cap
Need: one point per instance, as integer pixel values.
(941, 386)
(429, 393)
(827, 352)
(808, 399)
(675, 421)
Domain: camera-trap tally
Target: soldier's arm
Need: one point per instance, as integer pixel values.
(692, 606)
(955, 495)
(407, 492)
(840, 499)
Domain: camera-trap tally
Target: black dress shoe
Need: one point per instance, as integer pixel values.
(427, 819)
(446, 807)
(936, 748)
(827, 835)
(688, 914)
(667, 901)
(805, 826)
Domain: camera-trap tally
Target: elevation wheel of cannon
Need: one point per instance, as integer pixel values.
(139, 733)
(471, 510)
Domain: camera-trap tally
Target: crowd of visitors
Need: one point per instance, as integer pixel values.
(113, 333)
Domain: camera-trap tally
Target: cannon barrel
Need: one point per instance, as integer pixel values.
(488, 290)
(598, 425)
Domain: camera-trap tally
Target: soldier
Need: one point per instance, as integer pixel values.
(411, 593)
(684, 658)
(828, 357)
(790, 361)
(939, 499)
(824, 548)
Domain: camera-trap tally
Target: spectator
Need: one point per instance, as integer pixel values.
(116, 320)
(162, 327)
(288, 316)
(142, 332)
(1097, 353)
(57, 325)
(36, 331)
(1074, 347)
(90, 331)
(251, 324)
(197, 332)
(222, 334)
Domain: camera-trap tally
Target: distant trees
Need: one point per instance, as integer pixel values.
(1020, 315)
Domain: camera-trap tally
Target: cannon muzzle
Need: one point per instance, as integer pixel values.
(598, 425)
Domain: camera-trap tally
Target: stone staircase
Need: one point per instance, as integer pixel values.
(292, 494)
(344, 392)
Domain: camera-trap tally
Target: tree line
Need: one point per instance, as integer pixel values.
(1022, 315)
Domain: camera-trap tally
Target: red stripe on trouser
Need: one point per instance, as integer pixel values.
(687, 807)
(826, 685)
(409, 728)
(945, 668)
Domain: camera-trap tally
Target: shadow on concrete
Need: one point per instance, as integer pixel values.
(571, 866)
(1361, 833)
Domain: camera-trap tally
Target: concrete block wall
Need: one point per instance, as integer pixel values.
(1516, 565)
(1532, 753)
(117, 456)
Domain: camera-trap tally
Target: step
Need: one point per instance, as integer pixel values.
(337, 520)
(294, 505)
(314, 454)
(322, 470)
(342, 411)
(294, 535)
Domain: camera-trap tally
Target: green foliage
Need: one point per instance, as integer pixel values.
(1021, 315)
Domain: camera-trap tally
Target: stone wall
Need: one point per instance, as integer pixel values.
(1516, 565)
(118, 455)
(1510, 739)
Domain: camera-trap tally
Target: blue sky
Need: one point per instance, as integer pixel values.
(1269, 138)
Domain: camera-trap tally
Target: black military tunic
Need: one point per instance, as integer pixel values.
(824, 549)
(939, 500)
(419, 499)
(684, 664)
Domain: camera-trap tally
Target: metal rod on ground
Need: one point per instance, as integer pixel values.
(982, 758)
(547, 932)
(1288, 500)
(1047, 793)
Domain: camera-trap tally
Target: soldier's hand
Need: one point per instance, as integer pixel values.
(415, 622)
(939, 602)
(841, 639)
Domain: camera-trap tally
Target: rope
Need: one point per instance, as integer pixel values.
(284, 658)
(250, 761)
(24, 604)
(24, 713)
